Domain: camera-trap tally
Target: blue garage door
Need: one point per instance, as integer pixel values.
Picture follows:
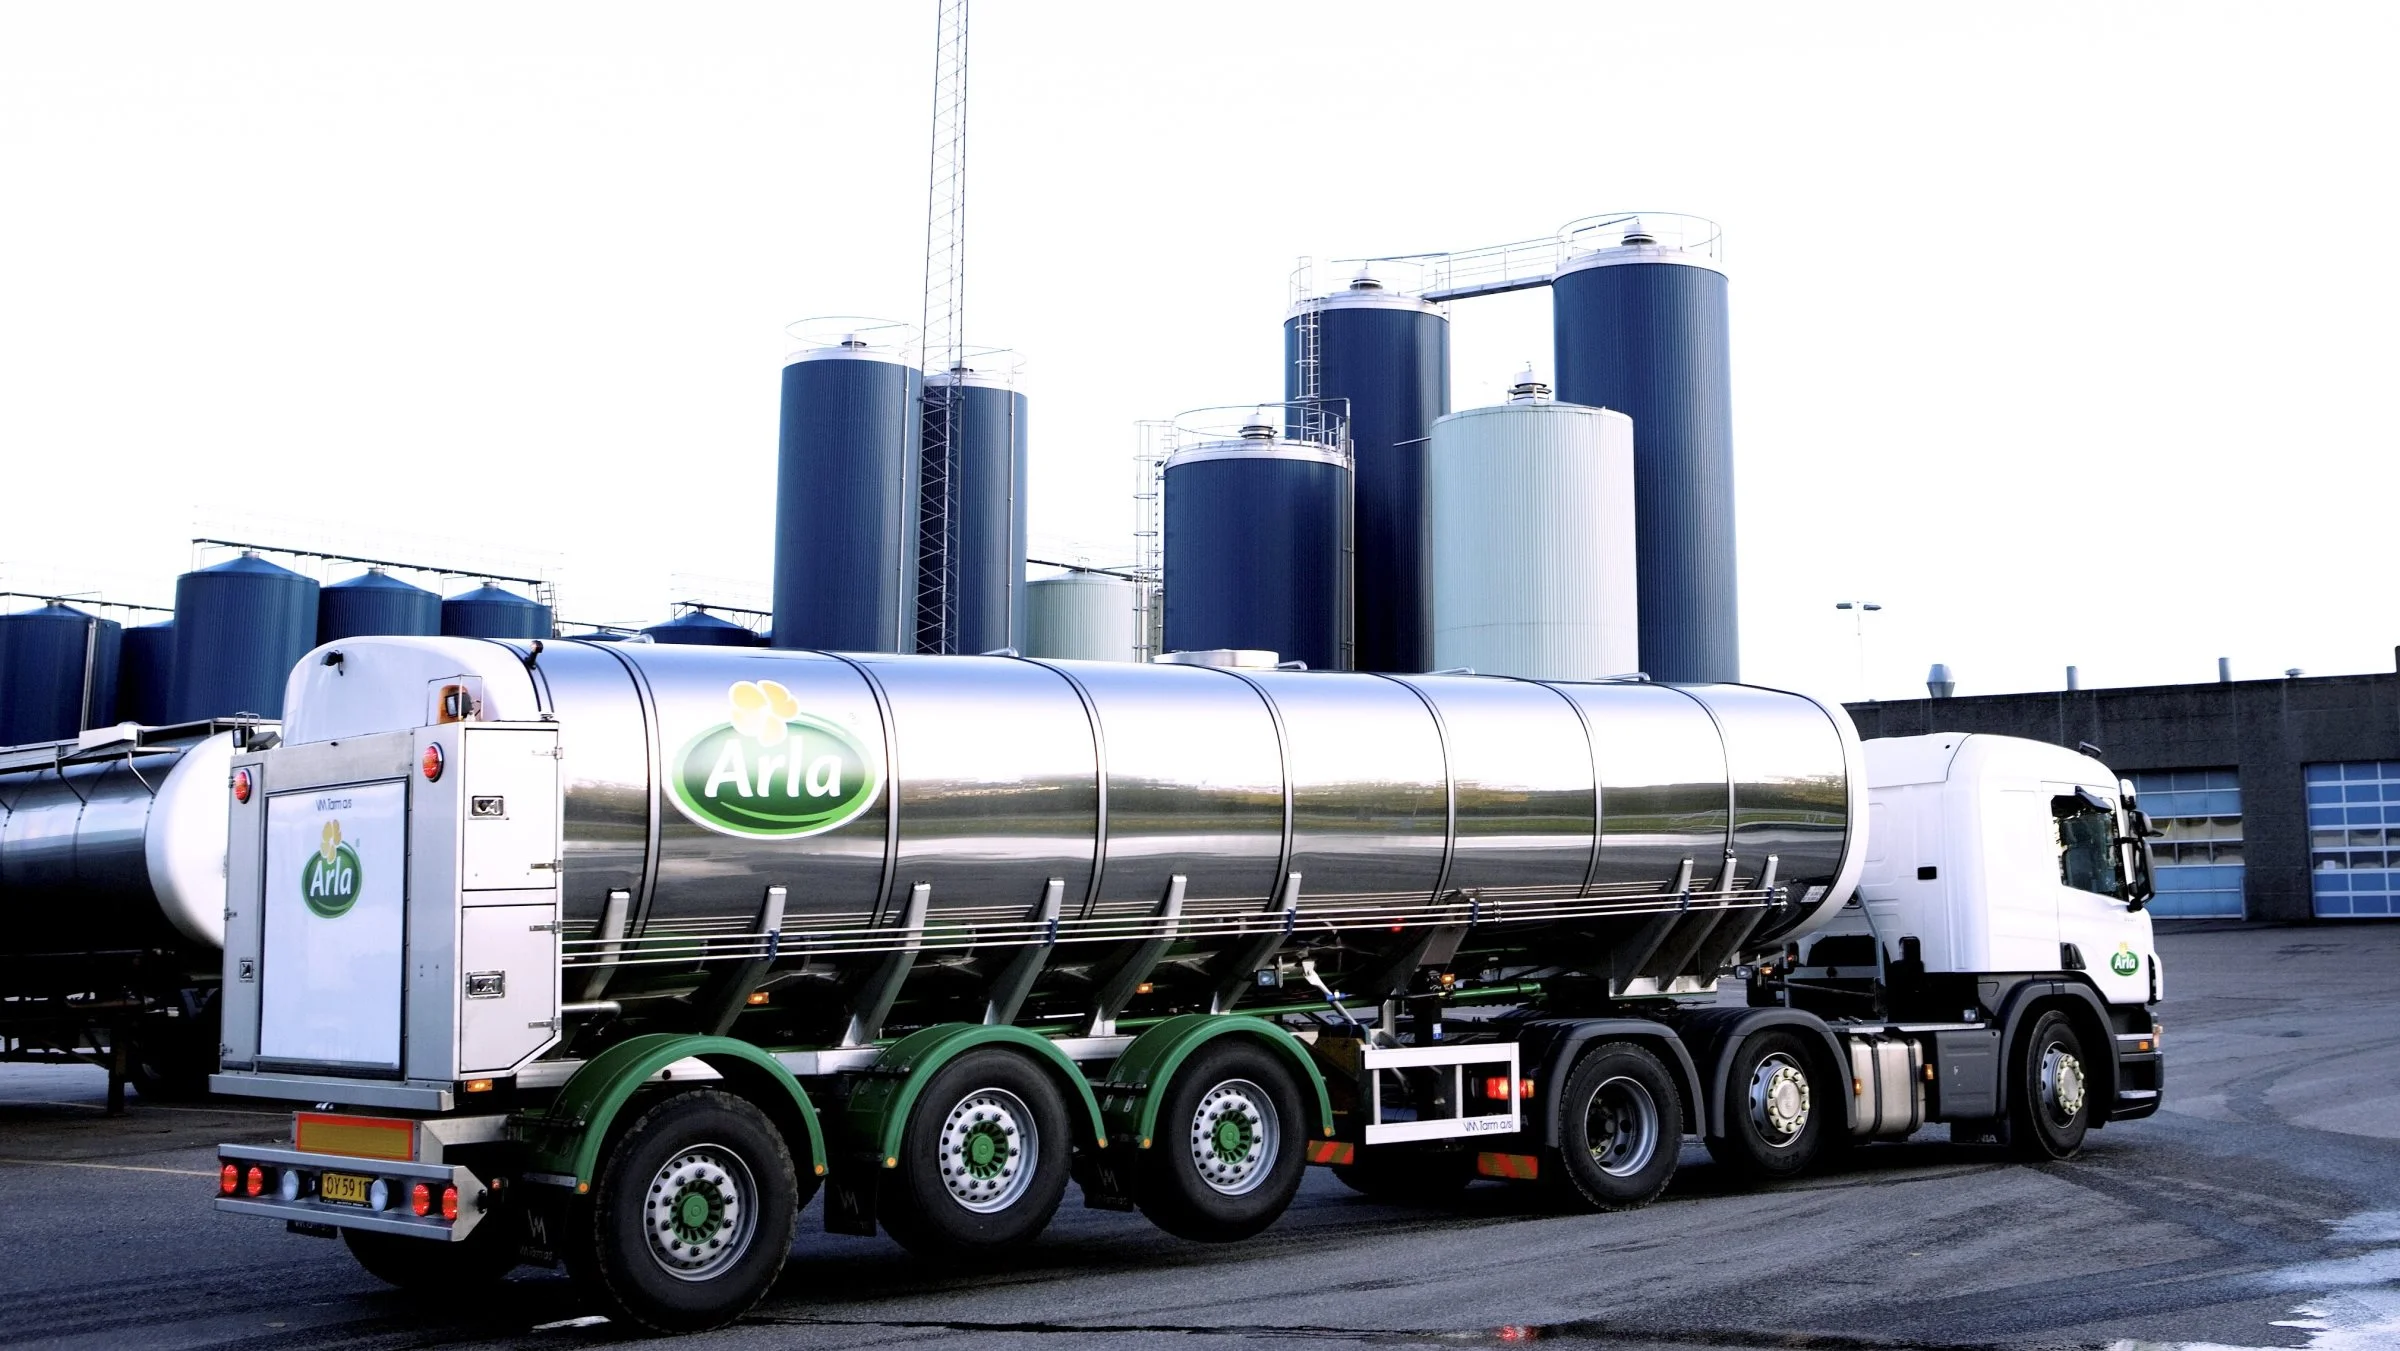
(2353, 809)
(2200, 854)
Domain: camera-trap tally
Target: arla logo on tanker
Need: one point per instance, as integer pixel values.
(772, 772)
(329, 879)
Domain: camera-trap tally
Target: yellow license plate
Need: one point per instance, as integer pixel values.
(348, 1188)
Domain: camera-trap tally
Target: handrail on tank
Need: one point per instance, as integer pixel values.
(890, 338)
(89, 602)
(1318, 422)
(102, 743)
(1523, 263)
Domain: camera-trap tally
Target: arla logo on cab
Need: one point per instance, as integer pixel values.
(771, 772)
(329, 879)
(2124, 961)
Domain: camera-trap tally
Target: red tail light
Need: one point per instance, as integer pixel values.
(420, 1199)
(1496, 1088)
(255, 1182)
(241, 785)
(449, 1203)
(432, 763)
(229, 1180)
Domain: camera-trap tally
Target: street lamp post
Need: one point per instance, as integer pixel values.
(1859, 610)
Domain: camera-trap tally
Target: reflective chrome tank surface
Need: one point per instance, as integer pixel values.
(1356, 801)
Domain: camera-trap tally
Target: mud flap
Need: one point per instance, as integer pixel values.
(850, 1199)
(1102, 1178)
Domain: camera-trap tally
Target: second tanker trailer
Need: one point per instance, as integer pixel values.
(613, 955)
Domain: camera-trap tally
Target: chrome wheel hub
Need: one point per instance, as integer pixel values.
(1235, 1137)
(699, 1215)
(1621, 1127)
(2062, 1084)
(1779, 1099)
(988, 1150)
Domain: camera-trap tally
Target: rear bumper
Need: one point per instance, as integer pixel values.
(395, 1218)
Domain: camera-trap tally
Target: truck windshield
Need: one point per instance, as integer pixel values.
(2087, 850)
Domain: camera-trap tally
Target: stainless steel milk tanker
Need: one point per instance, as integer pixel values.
(945, 805)
(115, 842)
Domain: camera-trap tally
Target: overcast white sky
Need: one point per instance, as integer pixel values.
(2063, 332)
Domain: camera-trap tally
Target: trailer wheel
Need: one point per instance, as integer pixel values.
(692, 1215)
(1620, 1128)
(984, 1159)
(1230, 1147)
(477, 1261)
(1774, 1111)
(2050, 1107)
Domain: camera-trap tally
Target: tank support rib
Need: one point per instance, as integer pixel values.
(612, 938)
(874, 1000)
(1240, 969)
(725, 996)
(1015, 979)
(1141, 958)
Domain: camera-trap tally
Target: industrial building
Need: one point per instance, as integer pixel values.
(2279, 799)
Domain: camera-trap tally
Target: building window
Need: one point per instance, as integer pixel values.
(2199, 855)
(2351, 872)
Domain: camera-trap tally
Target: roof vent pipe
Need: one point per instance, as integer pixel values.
(1260, 427)
(2224, 670)
(2074, 679)
(1528, 388)
(1365, 281)
(1636, 234)
(1938, 681)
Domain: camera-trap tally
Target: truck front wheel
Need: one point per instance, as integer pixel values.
(1774, 1110)
(1231, 1145)
(1620, 1127)
(2050, 1100)
(984, 1158)
(692, 1215)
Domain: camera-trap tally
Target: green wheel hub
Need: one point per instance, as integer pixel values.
(989, 1150)
(986, 1151)
(1235, 1132)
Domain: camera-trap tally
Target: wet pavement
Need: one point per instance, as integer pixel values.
(2261, 1208)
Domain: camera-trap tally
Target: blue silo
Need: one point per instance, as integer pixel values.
(1641, 328)
(1257, 547)
(845, 501)
(699, 628)
(494, 612)
(987, 537)
(375, 604)
(240, 627)
(58, 673)
(145, 669)
(1388, 356)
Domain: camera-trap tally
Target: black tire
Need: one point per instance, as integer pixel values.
(1620, 1129)
(969, 1180)
(1776, 1105)
(691, 1216)
(1404, 1178)
(2050, 1101)
(476, 1262)
(1231, 1146)
(171, 1058)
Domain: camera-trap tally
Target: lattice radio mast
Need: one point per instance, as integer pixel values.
(945, 350)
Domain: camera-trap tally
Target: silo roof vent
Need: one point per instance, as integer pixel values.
(1528, 388)
(1261, 427)
(854, 342)
(1637, 233)
(1365, 281)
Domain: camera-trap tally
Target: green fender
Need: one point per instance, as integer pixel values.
(566, 1139)
(879, 1106)
(1130, 1101)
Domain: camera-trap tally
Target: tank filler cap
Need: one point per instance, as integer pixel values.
(1528, 388)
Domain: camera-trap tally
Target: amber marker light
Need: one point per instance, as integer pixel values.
(479, 1085)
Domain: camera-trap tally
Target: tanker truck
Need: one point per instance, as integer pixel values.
(616, 956)
(112, 900)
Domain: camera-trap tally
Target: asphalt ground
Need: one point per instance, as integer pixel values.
(2261, 1208)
